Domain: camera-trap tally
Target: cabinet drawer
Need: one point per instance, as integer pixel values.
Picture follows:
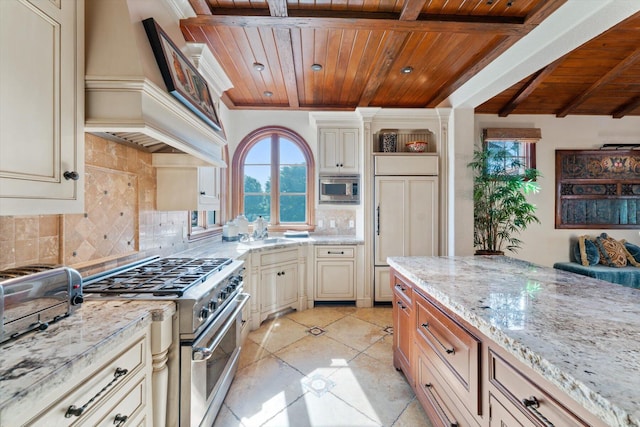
(335, 252)
(126, 404)
(453, 350)
(535, 402)
(103, 385)
(439, 402)
(403, 289)
(278, 257)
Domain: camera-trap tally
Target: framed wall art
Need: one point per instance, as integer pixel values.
(598, 189)
(180, 76)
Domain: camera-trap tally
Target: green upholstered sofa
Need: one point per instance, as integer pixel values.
(626, 276)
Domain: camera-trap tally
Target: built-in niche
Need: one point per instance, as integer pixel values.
(598, 189)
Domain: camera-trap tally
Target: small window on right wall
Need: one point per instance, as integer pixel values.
(517, 145)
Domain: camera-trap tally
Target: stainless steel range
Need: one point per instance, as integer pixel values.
(209, 298)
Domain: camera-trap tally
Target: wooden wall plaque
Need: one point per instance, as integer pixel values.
(598, 189)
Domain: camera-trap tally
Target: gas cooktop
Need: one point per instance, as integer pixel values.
(164, 276)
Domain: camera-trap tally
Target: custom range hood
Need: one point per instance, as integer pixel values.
(125, 96)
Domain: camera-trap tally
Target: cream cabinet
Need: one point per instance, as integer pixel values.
(186, 183)
(339, 150)
(116, 389)
(406, 223)
(335, 273)
(42, 107)
(278, 281)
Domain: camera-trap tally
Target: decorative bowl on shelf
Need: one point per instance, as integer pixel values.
(416, 146)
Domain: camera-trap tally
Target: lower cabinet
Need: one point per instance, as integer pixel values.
(335, 273)
(463, 378)
(277, 276)
(116, 392)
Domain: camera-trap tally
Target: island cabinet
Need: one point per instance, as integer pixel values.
(448, 369)
(517, 396)
(464, 378)
(115, 390)
(403, 319)
(42, 131)
(335, 273)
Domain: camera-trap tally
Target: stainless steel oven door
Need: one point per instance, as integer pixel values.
(207, 366)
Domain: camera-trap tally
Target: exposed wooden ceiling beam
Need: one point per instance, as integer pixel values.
(608, 77)
(534, 18)
(200, 7)
(392, 46)
(285, 54)
(626, 108)
(355, 21)
(411, 10)
(278, 7)
(529, 87)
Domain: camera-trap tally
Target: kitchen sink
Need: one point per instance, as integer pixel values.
(267, 241)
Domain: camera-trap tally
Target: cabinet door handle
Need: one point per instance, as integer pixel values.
(444, 347)
(71, 175)
(202, 193)
(337, 165)
(443, 415)
(119, 420)
(399, 286)
(402, 306)
(335, 252)
(378, 220)
(74, 411)
(532, 404)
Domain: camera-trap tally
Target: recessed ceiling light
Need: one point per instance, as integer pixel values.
(267, 93)
(406, 70)
(258, 66)
(316, 67)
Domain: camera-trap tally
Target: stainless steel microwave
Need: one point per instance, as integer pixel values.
(341, 189)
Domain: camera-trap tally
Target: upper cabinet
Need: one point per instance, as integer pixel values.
(338, 150)
(186, 183)
(42, 106)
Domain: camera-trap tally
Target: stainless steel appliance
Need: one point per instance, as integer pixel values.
(33, 296)
(209, 297)
(340, 189)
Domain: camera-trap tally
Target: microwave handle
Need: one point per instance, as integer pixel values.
(378, 220)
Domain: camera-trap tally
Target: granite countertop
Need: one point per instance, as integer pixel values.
(238, 249)
(581, 334)
(38, 362)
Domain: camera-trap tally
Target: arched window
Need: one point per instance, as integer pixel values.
(273, 174)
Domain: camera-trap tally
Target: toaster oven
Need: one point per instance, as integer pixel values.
(31, 297)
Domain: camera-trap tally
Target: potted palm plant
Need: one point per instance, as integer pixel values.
(501, 210)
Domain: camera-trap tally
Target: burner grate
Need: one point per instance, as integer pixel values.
(165, 276)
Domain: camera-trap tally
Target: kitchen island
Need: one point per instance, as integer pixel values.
(580, 335)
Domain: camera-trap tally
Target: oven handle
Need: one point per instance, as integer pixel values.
(203, 353)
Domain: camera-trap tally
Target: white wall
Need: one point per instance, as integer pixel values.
(543, 244)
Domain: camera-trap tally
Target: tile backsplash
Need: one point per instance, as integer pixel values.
(119, 219)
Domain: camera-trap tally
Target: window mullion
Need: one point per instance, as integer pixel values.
(275, 179)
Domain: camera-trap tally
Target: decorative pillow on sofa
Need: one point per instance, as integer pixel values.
(612, 252)
(586, 252)
(633, 253)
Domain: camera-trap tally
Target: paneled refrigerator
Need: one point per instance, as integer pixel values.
(405, 212)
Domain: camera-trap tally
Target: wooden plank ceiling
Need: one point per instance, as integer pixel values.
(363, 46)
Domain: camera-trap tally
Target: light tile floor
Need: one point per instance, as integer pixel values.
(322, 367)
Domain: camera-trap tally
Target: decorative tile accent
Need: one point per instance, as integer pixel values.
(109, 226)
(389, 330)
(316, 331)
(318, 384)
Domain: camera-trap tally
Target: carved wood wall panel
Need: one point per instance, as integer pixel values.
(597, 189)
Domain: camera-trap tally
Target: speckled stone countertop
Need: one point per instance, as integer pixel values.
(238, 249)
(38, 362)
(581, 334)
